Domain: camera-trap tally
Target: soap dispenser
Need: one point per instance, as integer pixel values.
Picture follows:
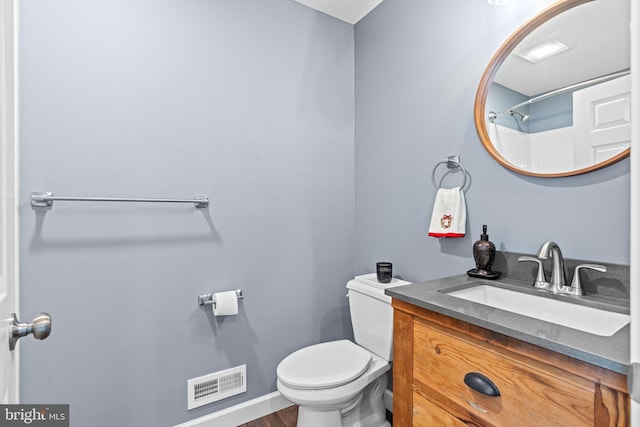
(484, 252)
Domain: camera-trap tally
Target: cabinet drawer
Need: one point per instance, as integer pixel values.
(528, 396)
(428, 414)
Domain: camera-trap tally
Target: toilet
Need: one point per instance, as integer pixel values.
(341, 383)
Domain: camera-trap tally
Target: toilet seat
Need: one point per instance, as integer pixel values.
(325, 365)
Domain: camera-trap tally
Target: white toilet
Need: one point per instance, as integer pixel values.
(341, 383)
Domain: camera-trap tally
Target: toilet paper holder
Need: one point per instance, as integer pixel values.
(205, 300)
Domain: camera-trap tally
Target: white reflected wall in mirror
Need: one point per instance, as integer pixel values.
(554, 101)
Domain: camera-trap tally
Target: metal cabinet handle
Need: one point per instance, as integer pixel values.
(481, 384)
(40, 328)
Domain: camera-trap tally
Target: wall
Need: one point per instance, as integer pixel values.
(551, 113)
(550, 151)
(249, 102)
(418, 65)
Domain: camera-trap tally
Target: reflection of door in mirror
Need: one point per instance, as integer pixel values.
(554, 101)
(601, 121)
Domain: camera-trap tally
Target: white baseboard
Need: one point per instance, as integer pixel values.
(254, 409)
(242, 413)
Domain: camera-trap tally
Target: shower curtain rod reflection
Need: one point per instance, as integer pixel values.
(46, 199)
(493, 115)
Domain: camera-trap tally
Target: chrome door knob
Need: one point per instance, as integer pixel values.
(40, 328)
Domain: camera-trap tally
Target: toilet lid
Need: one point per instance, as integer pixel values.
(325, 365)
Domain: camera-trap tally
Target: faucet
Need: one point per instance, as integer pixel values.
(576, 285)
(541, 280)
(551, 249)
(557, 283)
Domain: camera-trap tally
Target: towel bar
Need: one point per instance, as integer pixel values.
(46, 199)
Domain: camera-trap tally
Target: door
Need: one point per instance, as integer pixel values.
(8, 206)
(601, 122)
(634, 377)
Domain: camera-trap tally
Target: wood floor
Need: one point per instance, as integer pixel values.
(287, 417)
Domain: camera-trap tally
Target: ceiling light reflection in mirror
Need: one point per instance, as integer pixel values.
(554, 100)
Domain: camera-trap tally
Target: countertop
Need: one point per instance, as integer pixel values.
(612, 352)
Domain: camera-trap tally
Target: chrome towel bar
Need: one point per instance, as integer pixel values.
(46, 199)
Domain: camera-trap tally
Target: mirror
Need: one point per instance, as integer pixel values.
(554, 100)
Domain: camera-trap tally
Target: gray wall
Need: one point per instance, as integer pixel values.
(551, 113)
(418, 64)
(249, 102)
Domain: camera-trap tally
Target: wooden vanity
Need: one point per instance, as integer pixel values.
(538, 387)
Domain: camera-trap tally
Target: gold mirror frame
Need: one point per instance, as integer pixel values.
(487, 78)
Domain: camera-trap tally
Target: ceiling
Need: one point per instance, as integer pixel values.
(350, 11)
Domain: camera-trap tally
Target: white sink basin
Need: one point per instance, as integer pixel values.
(583, 318)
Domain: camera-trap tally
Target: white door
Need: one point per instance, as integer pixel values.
(601, 121)
(8, 207)
(634, 374)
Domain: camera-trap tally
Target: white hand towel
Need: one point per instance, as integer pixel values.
(449, 215)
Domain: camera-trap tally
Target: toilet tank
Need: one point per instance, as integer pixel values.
(372, 314)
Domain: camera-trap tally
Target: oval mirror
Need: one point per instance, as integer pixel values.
(554, 100)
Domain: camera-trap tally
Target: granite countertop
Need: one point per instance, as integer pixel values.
(610, 352)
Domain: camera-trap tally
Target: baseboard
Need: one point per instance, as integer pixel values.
(256, 408)
(242, 413)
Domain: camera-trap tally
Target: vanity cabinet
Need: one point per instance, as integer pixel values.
(537, 387)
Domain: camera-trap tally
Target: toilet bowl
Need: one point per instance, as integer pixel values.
(333, 392)
(341, 383)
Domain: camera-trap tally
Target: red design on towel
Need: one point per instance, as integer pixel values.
(445, 221)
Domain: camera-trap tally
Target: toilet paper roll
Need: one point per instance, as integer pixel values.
(225, 303)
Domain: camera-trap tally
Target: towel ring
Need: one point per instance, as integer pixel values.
(451, 162)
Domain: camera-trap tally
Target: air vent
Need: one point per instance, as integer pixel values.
(213, 387)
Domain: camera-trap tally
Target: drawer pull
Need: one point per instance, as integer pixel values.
(481, 384)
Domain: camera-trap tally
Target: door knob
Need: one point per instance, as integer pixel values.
(40, 328)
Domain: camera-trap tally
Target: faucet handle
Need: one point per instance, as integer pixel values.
(541, 280)
(576, 286)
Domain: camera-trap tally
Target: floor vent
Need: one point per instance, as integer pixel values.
(216, 386)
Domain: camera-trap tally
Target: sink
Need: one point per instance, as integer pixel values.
(587, 319)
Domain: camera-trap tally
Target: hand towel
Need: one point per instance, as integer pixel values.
(449, 215)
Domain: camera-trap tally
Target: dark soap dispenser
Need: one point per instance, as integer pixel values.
(484, 252)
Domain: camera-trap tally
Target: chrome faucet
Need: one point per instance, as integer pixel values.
(558, 281)
(557, 284)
